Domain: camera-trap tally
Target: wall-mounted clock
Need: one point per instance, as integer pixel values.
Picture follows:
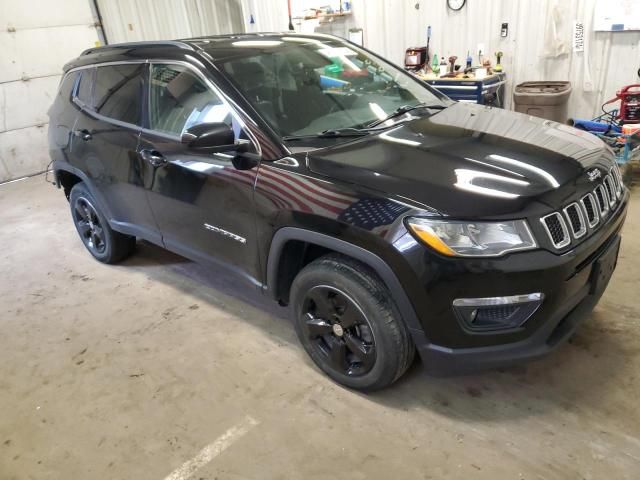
(456, 4)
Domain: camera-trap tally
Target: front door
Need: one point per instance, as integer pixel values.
(202, 203)
(105, 144)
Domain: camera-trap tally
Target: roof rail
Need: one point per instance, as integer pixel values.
(151, 43)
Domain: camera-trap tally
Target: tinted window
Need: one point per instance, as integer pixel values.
(66, 86)
(118, 92)
(84, 88)
(179, 99)
(304, 85)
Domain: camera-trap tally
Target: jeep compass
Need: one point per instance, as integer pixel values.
(391, 219)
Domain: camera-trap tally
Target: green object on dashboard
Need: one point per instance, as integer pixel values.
(333, 70)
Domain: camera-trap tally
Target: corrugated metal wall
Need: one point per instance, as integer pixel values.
(134, 20)
(35, 42)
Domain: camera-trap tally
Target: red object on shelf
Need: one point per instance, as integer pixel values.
(629, 97)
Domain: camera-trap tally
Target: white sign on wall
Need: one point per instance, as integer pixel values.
(616, 15)
(578, 36)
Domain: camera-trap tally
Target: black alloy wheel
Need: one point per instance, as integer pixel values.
(105, 244)
(89, 226)
(348, 323)
(339, 331)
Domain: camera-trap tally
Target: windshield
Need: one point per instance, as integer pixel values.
(305, 85)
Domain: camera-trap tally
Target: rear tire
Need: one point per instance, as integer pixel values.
(348, 324)
(105, 244)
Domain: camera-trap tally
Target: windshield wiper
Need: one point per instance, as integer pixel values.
(339, 132)
(405, 109)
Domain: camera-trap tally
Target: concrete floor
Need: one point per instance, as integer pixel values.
(129, 371)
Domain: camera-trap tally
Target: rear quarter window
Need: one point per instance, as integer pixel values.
(63, 97)
(83, 94)
(66, 86)
(118, 92)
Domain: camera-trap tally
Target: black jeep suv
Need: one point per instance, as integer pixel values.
(390, 218)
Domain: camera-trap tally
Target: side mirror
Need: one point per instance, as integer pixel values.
(214, 137)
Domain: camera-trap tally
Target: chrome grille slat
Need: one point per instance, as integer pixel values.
(588, 203)
(576, 221)
(610, 189)
(617, 176)
(557, 230)
(616, 183)
(603, 201)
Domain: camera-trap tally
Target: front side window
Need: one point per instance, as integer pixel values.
(118, 92)
(180, 99)
(305, 85)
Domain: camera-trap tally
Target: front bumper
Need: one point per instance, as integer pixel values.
(567, 282)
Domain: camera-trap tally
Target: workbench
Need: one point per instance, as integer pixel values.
(488, 91)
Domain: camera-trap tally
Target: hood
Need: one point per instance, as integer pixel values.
(470, 161)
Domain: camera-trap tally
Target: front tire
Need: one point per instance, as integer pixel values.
(105, 244)
(348, 324)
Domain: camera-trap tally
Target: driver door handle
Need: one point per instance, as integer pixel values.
(84, 134)
(154, 157)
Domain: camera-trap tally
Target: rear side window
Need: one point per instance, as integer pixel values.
(118, 92)
(84, 88)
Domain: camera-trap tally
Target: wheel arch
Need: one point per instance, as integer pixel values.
(331, 244)
(66, 176)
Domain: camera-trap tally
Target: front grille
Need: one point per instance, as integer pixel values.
(587, 214)
(498, 314)
(556, 229)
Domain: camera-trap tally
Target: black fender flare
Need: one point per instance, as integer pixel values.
(384, 271)
(62, 166)
(125, 228)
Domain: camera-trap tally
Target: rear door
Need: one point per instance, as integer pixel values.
(203, 204)
(62, 118)
(105, 144)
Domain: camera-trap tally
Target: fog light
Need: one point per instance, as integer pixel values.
(496, 313)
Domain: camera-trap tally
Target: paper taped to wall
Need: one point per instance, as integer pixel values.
(616, 15)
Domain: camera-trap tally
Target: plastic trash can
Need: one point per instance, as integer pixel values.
(543, 99)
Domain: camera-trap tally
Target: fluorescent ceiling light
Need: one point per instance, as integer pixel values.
(257, 43)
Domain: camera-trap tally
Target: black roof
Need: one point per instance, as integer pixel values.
(218, 47)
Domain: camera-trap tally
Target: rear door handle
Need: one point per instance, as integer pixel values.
(154, 157)
(84, 134)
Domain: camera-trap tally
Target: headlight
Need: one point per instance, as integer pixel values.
(472, 239)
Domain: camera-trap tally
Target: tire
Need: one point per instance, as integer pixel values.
(338, 290)
(105, 244)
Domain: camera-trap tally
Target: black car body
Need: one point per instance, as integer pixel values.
(269, 209)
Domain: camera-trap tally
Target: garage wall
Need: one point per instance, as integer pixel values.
(35, 42)
(609, 62)
(135, 20)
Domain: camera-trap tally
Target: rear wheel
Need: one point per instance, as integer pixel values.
(105, 244)
(348, 324)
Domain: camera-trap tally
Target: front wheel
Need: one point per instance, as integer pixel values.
(348, 324)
